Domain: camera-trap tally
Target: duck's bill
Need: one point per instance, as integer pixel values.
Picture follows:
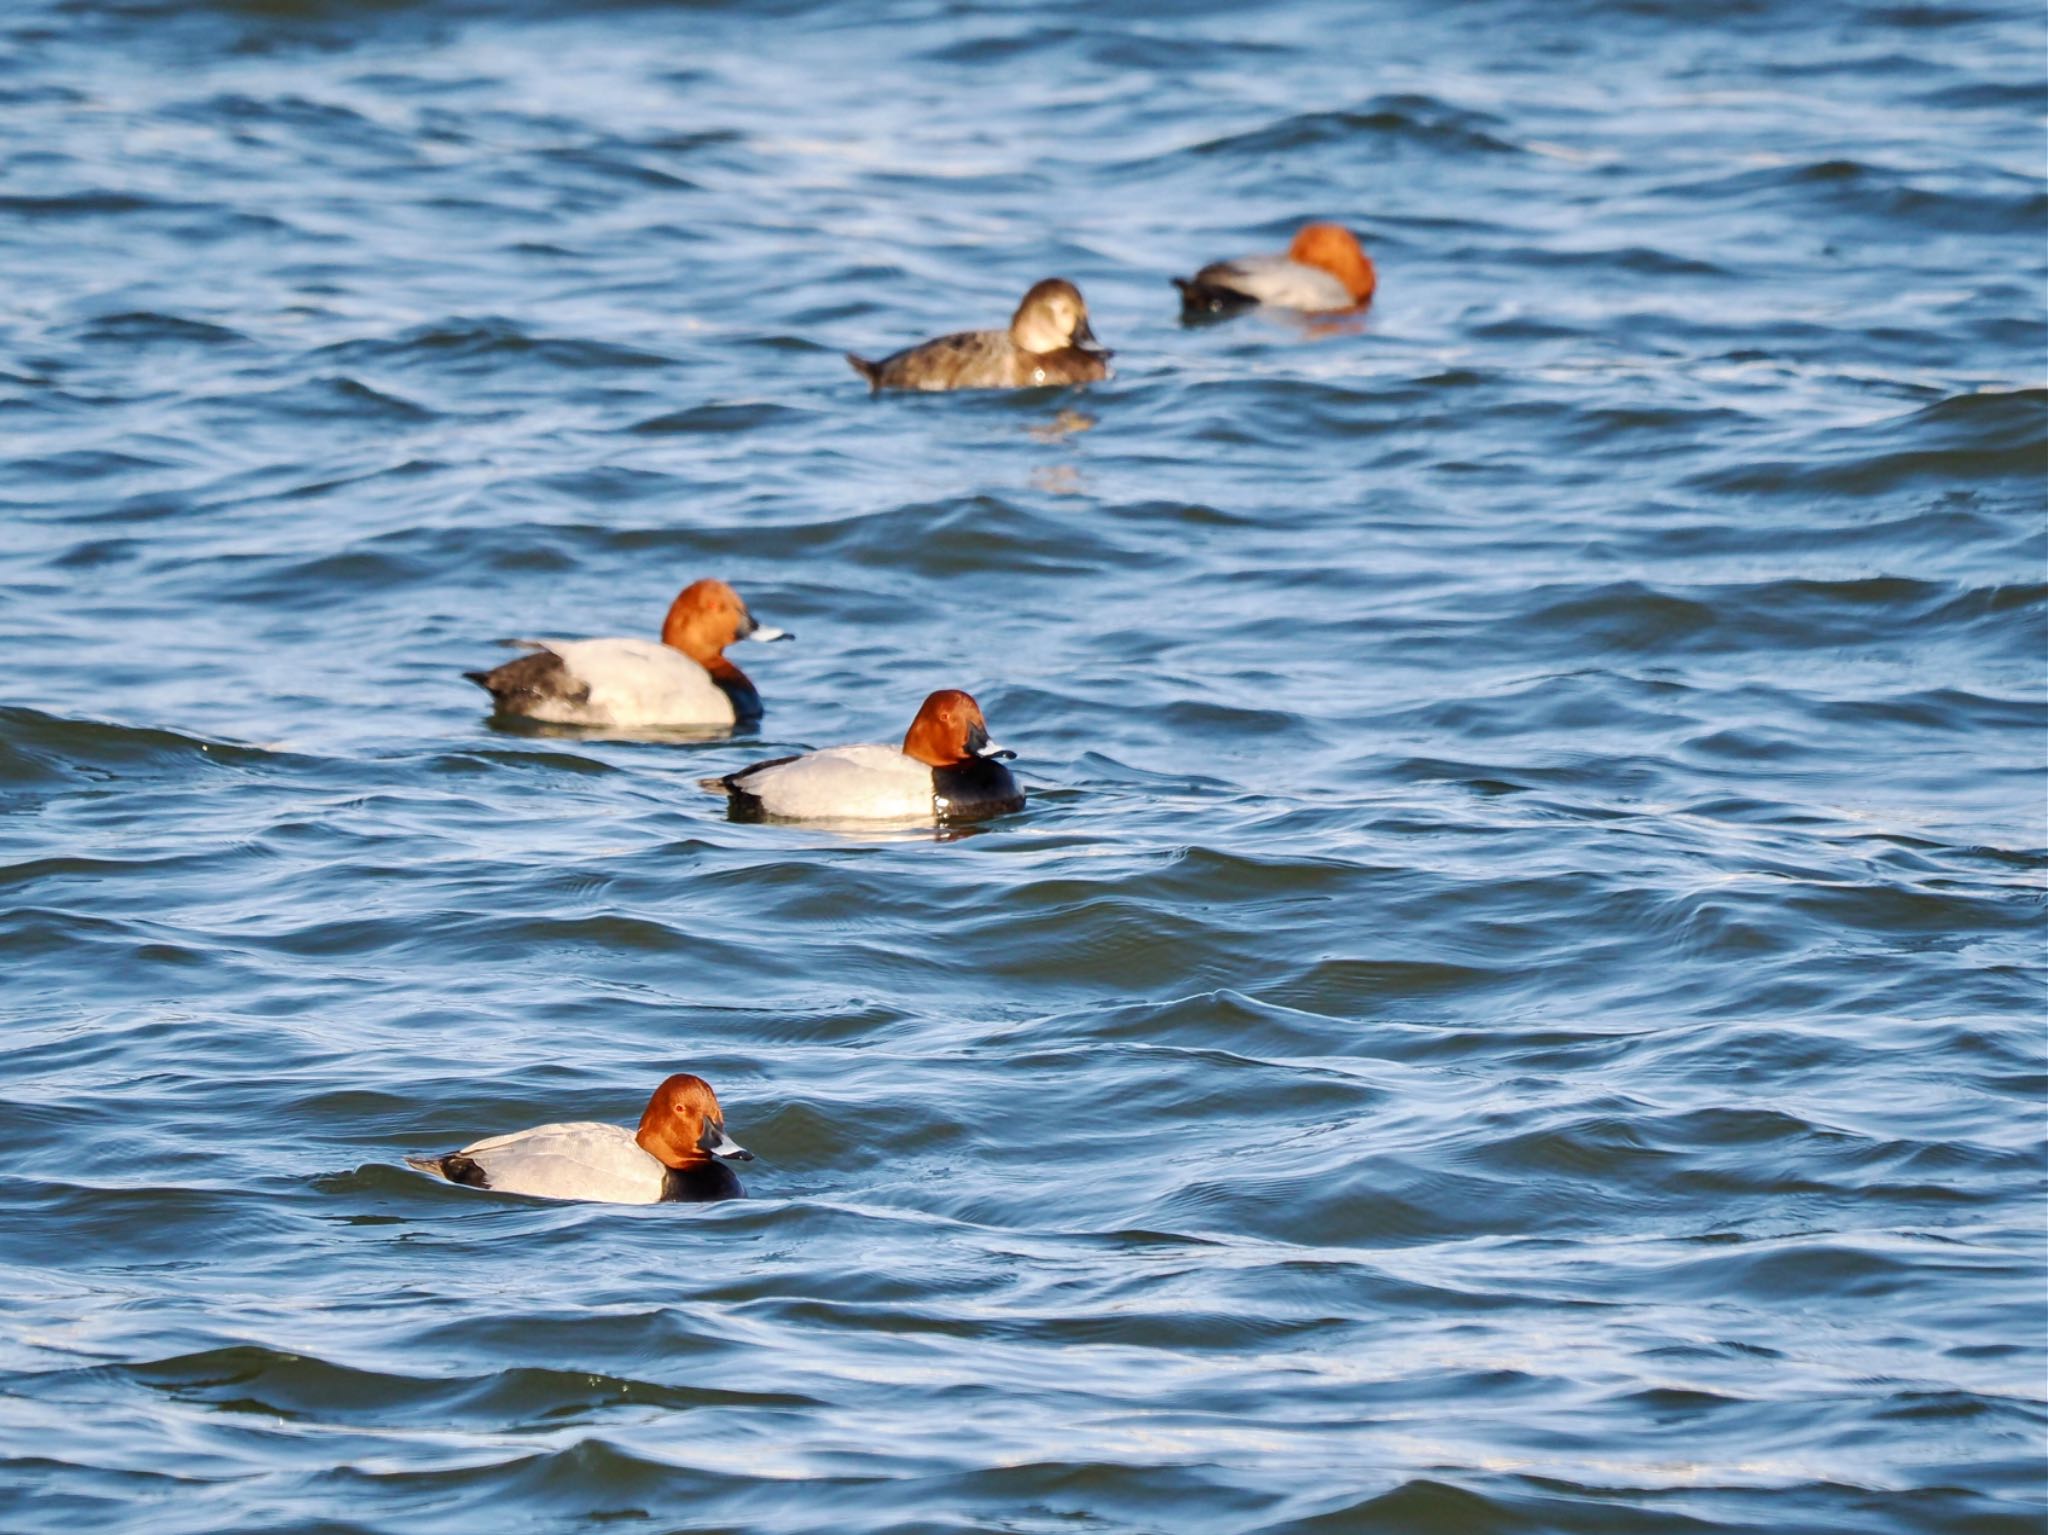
(1084, 339)
(989, 750)
(767, 636)
(729, 1148)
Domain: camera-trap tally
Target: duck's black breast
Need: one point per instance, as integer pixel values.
(746, 701)
(980, 786)
(701, 1184)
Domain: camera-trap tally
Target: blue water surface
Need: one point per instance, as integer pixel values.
(1516, 1004)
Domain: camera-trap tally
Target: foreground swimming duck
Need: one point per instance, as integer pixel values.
(1324, 270)
(672, 1156)
(684, 680)
(1048, 342)
(948, 770)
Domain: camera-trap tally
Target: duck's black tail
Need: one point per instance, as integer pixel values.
(455, 1167)
(1208, 301)
(743, 804)
(526, 684)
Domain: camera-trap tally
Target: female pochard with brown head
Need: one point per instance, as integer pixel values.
(1048, 342)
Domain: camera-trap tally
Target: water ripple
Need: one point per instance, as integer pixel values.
(1514, 1005)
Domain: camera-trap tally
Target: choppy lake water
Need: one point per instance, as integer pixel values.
(1516, 1004)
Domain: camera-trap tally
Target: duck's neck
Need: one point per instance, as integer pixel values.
(746, 702)
(700, 1182)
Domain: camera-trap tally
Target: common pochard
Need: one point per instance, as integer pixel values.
(946, 769)
(1048, 342)
(1325, 270)
(683, 680)
(675, 1154)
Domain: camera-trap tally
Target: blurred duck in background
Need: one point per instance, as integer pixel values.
(1325, 271)
(1048, 343)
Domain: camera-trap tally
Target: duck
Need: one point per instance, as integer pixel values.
(947, 769)
(684, 679)
(1324, 271)
(1048, 343)
(674, 1156)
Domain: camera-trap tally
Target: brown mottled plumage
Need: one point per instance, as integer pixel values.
(1048, 343)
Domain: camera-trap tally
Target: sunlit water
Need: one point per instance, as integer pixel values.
(1515, 1005)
